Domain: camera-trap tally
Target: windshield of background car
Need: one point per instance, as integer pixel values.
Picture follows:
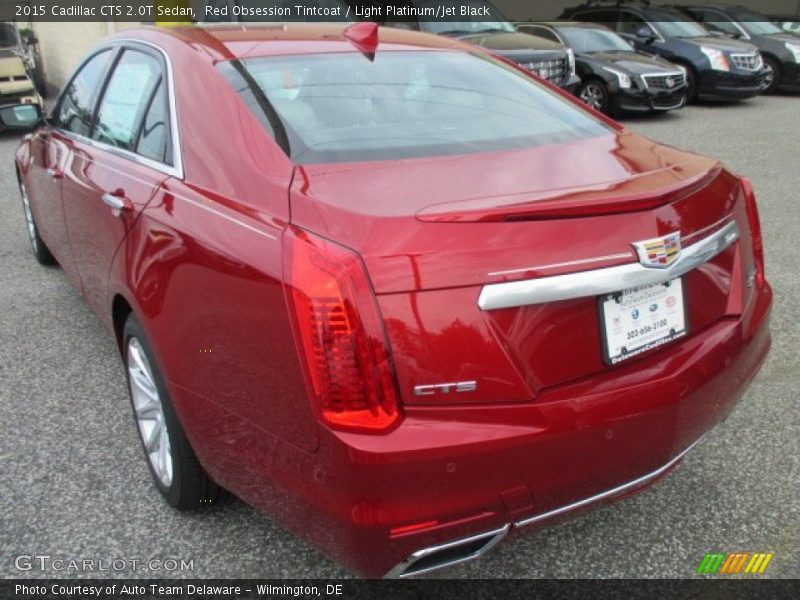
(493, 21)
(583, 40)
(8, 35)
(344, 108)
(755, 24)
(676, 25)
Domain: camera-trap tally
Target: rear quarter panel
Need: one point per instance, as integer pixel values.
(203, 271)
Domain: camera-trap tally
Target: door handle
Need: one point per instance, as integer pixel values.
(55, 173)
(118, 204)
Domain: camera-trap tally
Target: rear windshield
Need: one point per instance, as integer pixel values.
(343, 107)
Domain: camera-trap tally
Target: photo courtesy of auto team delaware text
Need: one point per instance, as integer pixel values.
(416, 289)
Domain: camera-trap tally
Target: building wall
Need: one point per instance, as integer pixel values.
(63, 45)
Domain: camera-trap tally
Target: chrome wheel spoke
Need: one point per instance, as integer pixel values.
(26, 205)
(149, 413)
(593, 96)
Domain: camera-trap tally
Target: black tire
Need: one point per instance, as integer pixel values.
(190, 486)
(773, 81)
(40, 250)
(594, 92)
(692, 93)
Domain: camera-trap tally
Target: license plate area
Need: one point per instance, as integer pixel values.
(641, 319)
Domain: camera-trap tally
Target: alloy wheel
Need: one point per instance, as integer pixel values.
(769, 76)
(594, 96)
(149, 413)
(26, 204)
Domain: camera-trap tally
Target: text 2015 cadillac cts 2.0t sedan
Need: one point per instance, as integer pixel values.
(399, 294)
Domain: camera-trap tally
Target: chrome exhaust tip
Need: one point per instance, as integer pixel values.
(448, 554)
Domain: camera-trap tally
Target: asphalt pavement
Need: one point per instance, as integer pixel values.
(75, 484)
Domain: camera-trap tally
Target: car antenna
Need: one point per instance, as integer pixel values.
(364, 36)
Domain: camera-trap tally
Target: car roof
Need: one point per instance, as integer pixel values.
(643, 7)
(231, 41)
(569, 24)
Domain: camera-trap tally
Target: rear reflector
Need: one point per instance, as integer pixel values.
(412, 528)
(340, 334)
(755, 230)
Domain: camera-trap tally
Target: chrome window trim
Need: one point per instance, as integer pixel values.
(598, 282)
(173, 170)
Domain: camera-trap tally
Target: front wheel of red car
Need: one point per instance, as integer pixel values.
(173, 464)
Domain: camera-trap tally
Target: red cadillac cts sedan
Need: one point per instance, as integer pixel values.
(400, 295)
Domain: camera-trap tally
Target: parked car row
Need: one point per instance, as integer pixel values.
(621, 57)
(614, 77)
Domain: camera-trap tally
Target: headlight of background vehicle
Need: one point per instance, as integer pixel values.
(795, 50)
(571, 59)
(717, 58)
(623, 78)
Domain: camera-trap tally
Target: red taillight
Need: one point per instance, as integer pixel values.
(340, 332)
(755, 230)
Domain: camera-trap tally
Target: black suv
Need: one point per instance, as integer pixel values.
(781, 50)
(615, 78)
(494, 32)
(717, 67)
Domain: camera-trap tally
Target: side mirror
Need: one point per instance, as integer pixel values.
(645, 34)
(20, 116)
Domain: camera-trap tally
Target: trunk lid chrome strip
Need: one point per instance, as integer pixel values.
(597, 282)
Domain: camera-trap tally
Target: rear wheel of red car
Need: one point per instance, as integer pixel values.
(595, 94)
(40, 250)
(772, 78)
(176, 471)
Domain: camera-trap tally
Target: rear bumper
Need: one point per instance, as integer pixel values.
(376, 503)
(454, 473)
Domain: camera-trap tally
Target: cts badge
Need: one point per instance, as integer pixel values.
(458, 387)
(660, 252)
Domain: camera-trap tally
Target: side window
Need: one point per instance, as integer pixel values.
(542, 32)
(77, 103)
(607, 16)
(715, 21)
(154, 135)
(631, 24)
(126, 98)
